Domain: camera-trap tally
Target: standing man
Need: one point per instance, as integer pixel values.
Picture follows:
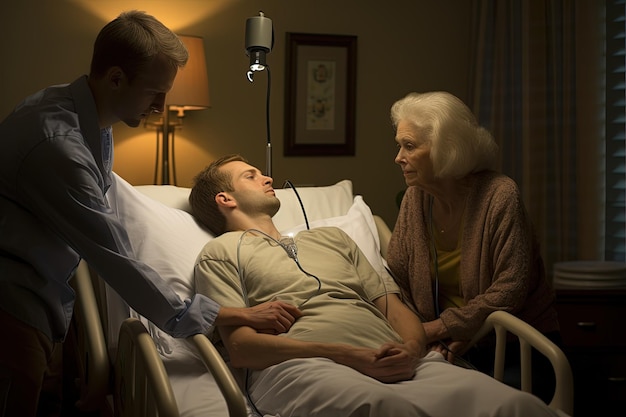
(56, 154)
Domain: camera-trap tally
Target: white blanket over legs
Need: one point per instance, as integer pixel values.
(320, 387)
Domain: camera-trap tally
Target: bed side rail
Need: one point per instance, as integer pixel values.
(223, 377)
(142, 385)
(529, 337)
(87, 338)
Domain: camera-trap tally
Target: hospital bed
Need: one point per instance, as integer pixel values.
(128, 367)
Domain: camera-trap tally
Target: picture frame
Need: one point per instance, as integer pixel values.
(320, 94)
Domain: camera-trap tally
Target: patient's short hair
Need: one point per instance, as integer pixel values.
(132, 41)
(459, 145)
(207, 184)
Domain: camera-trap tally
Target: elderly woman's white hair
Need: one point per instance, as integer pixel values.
(459, 145)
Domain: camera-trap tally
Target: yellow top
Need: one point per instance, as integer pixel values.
(449, 271)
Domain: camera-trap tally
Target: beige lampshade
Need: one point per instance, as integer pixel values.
(191, 86)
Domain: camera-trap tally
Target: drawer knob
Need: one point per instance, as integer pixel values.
(586, 324)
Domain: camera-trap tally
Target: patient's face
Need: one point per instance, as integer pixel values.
(253, 193)
(414, 155)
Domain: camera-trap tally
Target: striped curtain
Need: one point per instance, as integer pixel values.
(526, 88)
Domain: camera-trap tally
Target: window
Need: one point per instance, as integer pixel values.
(615, 173)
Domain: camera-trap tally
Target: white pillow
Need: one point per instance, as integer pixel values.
(170, 195)
(319, 202)
(166, 238)
(358, 223)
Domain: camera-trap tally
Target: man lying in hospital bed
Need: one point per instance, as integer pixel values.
(165, 236)
(357, 350)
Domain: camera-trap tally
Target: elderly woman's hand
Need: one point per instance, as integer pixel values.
(450, 349)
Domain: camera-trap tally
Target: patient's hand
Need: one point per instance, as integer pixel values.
(405, 354)
(392, 362)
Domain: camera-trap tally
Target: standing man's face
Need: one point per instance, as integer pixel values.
(145, 94)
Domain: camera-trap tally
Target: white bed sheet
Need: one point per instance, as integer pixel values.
(438, 389)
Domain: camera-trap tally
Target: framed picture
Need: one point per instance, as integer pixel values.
(320, 94)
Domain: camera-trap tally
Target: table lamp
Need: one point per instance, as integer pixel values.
(189, 92)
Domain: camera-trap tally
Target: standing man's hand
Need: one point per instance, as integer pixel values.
(272, 317)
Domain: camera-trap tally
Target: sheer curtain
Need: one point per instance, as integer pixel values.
(536, 85)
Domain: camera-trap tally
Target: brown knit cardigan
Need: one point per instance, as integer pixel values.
(501, 267)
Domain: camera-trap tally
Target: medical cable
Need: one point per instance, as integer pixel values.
(435, 256)
(268, 149)
(306, 220)
(290, 249)
(458, 359)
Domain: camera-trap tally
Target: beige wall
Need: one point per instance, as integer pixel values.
(403, 45)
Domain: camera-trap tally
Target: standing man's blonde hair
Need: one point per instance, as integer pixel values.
(133, 40)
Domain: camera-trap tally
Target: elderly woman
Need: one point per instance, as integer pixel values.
(463, 245)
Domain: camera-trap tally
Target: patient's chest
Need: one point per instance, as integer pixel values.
(269, 273)
(324, 283)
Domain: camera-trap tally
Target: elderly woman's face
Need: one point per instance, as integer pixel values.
(413, 155)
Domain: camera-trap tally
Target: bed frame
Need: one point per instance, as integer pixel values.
(141, 386)
(135, 382)
(529, 338)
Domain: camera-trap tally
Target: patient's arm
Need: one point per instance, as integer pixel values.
(249, 349)
(272, 317)
(408, 326)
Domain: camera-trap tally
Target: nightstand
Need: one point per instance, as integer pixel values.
(593, 328)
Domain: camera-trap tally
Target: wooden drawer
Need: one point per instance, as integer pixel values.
(593, 327)
(592, 318)
(599, 382)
